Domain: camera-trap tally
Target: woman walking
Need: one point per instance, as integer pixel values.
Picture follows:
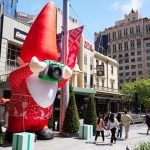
(100, 128)
(113, 124)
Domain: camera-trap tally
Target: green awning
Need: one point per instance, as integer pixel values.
(78, 90)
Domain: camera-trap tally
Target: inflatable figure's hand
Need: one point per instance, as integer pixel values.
(36, 65)
(67, 72)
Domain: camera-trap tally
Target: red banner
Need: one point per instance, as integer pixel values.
(73, 46)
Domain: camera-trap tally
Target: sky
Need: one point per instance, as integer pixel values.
(95, 15)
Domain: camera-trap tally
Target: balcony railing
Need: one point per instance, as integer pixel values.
(101, 88)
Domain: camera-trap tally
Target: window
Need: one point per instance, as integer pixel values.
(120, 74)
(126, 67)
(139, 52)
(114, 56)
(139, 59)
(140, 72)
(126, 61)
(131, 32)
(91, 81)
(121, 81)
(119, 47)
(132, 53)
(91, 63)
(137, 30)
(148, 51)
(120, 55)
(112, 70)
(120, 61)
(133, 60)
(147, 44)
(127, 74)
(132, 44)
(102, 82)
(126, 55)
(85, 78)
(133, 73)
(148, 64)
(112, 85)
(140, 65)
(121, 68)
(125, 46)
(97, 82)
(133, 66)
(119, 34)
(148, 29)
(85, 59)
(125, 33)
(138, 42)
(114, 48)
(114, 36)
(148, 57)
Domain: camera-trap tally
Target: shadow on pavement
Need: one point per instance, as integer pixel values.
(143, 133)
(6, 145)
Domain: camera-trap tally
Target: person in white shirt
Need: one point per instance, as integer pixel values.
(113, 125)
(126, 121)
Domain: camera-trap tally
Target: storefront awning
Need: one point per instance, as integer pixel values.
(83, 90)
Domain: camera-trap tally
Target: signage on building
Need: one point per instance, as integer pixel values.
(88, 45)
(19, 35)
(100, 70)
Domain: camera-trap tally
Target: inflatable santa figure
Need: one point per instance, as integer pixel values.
(32, 91)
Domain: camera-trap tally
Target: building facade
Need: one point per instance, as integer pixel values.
(24, 17)
(8, 7)
(128, 42)
(96, 74)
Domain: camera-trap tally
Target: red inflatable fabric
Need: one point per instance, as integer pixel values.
(41, 39)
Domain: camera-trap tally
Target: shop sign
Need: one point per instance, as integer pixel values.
(100, 70)
(19, 35)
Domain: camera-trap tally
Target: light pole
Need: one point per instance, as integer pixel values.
(64, 94)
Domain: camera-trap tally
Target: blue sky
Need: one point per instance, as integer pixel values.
(96, 15)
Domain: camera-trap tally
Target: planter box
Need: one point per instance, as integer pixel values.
(86, 132)
(23, 141)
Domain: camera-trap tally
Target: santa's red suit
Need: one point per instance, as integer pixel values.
(25, 112)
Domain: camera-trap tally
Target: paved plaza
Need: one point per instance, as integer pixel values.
(137, 135)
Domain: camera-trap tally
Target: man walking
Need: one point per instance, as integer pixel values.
(126, 120)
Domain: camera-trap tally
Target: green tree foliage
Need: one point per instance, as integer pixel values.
(90, 114)
(141, 87)
(71, 121)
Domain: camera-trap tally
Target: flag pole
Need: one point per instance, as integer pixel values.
(64, 94)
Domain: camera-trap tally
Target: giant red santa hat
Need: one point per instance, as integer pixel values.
(41, 39)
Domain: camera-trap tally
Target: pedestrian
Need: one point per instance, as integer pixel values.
(126, 121)
(113, 125)
(119, 118)
(100, 127)
(147, 121)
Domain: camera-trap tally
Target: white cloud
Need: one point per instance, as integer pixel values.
(128, 5)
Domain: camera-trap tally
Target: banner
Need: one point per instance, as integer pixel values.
(73, 47)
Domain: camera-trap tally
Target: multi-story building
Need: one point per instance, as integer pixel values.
(8, 7)
(24, 17)
(128, 42)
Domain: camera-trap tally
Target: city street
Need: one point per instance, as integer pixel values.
(137, 135)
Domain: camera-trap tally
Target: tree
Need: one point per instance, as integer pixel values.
(138, 91)
(90, 114)
(71, 121)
